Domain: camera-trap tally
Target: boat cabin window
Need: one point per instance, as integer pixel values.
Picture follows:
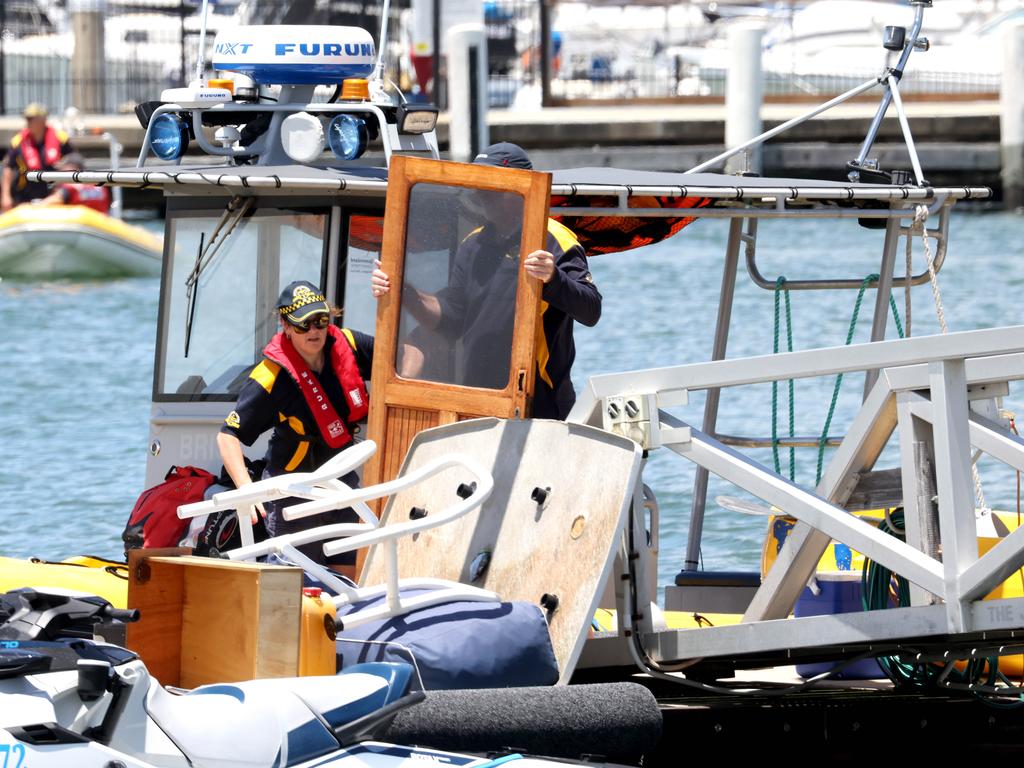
(215, 325)
(364, 238)
(459, 285)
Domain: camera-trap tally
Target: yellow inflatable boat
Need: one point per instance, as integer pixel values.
(49, 242)
(93, 575)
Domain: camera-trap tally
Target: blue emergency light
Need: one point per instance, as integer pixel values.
(168, 136)
(347, 136)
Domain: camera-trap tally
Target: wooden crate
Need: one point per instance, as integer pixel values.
(205, 620)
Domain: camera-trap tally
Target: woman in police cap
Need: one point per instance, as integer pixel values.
(310, 390)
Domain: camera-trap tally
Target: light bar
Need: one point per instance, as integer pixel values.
(421, 118)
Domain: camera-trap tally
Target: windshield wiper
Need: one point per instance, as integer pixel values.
(190, 297)
(234, 211)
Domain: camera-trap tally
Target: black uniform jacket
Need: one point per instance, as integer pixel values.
(479, 303)
(271, 399)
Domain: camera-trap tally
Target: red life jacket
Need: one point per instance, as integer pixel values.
(89, 195)
(30, 152)
(343, 361)
(154, 521)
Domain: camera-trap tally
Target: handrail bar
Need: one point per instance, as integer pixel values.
(941, 235)
(803, 364)
(741, 441)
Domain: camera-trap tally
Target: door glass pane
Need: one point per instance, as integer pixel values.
(459, 285)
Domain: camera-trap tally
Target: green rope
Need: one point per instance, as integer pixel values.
(896, 315)
(878, 587)
(792, 392)
(839, 379)
(780, 289)
(775, 386)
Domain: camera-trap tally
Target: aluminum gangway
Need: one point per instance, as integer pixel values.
(939, 396)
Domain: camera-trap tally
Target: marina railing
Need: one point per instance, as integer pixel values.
(149, 48)
(681, 81)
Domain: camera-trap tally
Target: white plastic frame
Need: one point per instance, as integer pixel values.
(325, 493)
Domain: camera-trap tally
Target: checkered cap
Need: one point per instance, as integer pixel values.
(301, 300)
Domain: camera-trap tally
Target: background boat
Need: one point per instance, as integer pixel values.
(49, 242)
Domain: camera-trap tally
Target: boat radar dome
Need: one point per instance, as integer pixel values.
(295, 54)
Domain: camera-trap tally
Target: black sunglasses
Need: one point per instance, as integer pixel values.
(317, 321)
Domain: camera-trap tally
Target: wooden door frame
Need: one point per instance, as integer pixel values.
(391, 390)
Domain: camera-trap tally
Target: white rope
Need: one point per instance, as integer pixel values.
(920, 217)
(907, 281)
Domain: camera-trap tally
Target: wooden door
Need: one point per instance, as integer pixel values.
(456, 334)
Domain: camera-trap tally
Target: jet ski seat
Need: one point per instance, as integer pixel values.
(274, 721)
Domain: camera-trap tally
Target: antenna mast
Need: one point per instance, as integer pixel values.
(378, 70)
(201, 59)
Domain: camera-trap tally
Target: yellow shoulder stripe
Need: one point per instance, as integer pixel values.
(566, 240)
(350, 337)
(266, 374)
(543, 353)
(298, 456)
(562, 234)
(16, 141)
(474, 233)
(62, 136)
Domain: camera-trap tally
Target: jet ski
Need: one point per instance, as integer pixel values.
(67, 697)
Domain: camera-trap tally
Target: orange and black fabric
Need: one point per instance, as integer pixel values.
(612, 234)
(596, 234)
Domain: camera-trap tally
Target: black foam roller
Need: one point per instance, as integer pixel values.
(619, 721)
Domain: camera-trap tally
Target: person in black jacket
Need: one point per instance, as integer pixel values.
(310, 390)
(478, 303)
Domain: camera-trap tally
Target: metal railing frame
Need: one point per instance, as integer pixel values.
(932, 379)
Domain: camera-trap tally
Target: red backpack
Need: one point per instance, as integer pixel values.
(154, 521)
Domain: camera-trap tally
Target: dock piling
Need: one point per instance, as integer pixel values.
(1011, 117)
(467, 91)
(88, 58)
(744, 94)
